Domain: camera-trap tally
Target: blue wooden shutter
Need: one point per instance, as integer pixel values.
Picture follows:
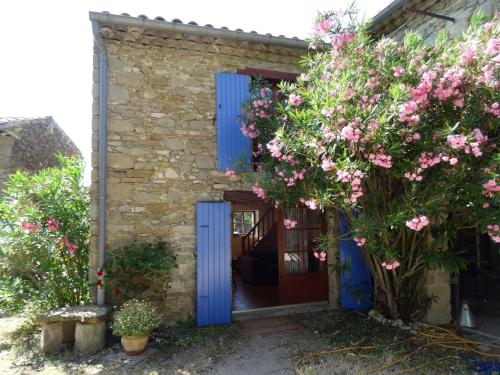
(213, 263)
(234, 150)
(356, 281)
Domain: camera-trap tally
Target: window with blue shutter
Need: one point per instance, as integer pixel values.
(234, 150)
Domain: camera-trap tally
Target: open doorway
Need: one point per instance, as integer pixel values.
(479, 284)
(254, 252)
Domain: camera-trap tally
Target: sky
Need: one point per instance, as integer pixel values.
(46, 47)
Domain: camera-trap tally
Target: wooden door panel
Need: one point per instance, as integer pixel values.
(302, 277)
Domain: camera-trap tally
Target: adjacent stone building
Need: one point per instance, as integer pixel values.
(31, 144)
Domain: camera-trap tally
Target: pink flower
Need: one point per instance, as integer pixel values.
(490, 187)
(469, 54)
(360, 241)
(398, 71)
(311, 203)
(427, 160)
(258, 190)
(493, 231)
(486, 205)
(52, 224)
(321, 255)
(391, 265)
(327, 164)
(275, 147)
(494, 109)
(351, 134)
(289, 223)
(64, 241)
(418, 222)
(229, 172)
(456, 141)
(32, 227)
(322, 26)
(453, 161)
(295, 99)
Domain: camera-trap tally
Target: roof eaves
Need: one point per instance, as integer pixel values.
(176, 26)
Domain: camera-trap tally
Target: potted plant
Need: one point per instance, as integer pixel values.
(134, 322)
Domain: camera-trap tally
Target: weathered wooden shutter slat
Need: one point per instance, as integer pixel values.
(356, 282)
(233, 148)
(213, 267)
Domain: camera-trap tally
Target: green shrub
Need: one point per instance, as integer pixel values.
(44, 245)
(131, 270)
(136, 318)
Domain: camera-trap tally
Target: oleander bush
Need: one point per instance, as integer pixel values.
(400, 136)
(44, 238)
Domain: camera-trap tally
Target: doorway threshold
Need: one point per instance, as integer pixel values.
(267, 312)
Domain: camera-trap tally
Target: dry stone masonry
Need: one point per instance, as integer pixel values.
(162, 141)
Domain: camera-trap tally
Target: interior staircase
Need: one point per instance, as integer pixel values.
(262, 236)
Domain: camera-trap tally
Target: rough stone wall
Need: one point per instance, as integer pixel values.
(461, 10)
(161, 143)
(31, 145)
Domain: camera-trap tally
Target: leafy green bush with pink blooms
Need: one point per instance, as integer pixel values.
(400, 136)
(44, 238)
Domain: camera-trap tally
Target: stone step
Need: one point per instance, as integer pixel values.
(268, 312)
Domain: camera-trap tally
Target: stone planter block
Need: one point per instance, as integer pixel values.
(89, 337)
(52, 337)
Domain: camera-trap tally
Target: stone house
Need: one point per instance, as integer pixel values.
(31, 144)
(165, 128)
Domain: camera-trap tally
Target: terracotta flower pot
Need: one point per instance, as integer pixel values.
(134, 345)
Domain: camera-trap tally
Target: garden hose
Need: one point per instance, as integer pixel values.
(433, 336)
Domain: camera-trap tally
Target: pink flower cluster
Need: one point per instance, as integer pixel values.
(398, 71)
(64, 241)
(380, 158)
(292, 180)
(354, 178)
(490, 187)
(327, 164)
(407, 112)
(360, 241)
(391, 265)
(469, 54)
(322, 25)
(493, 231)
(428, 159)
(494, 109)
(289, 223)
(250, 130)
(321, 255)
(311, 203)
(229, 172)
(449, 86)
(295, 99)
(418, 222)
(258, 190)
(413, 137)
(275, 147)
(52, 224)
(350, 133)
(340, 40)
(414, 176)
(459, 141)
(32, 227)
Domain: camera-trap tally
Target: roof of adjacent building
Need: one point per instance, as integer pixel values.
(395, 15)
(6, 122)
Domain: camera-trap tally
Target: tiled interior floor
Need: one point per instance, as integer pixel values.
(247, 296)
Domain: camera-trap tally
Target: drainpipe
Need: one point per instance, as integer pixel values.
(103, 99)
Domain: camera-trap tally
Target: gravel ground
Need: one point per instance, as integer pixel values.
(254, 347)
